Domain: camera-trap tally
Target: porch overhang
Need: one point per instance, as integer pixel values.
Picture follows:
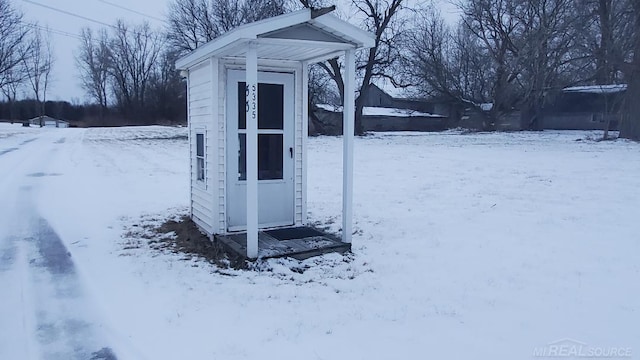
(297, 36)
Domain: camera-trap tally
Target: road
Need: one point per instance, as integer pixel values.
(45, 309)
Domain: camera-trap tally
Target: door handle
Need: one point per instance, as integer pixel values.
(291, 152)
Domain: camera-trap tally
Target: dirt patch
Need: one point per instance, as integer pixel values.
(182, 236)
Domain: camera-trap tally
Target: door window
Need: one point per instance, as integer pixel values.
(270, 106)
(270, 131)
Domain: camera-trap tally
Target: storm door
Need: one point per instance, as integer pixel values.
(275, 150)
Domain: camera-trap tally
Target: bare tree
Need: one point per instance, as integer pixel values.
(604, 48)
(13, 44)
(134, 53)
(381, 17)
(474, 64)
(566, 42)
(322, 89)
(93, 60)
(443, 62)
(167, 91)
(510, 53)
(15, 81)
(496, 26)
(38, 63)
(545, 40)
(193, 23)
(605, 38)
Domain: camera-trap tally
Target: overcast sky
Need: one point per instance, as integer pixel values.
(66, 18)
(66, 27)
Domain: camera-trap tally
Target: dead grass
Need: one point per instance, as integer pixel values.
(181, 236)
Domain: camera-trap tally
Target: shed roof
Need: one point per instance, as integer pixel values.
(46, 118)
(597, 89)
(303, 35)
(382, 111)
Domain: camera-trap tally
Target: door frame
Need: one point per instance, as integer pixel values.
(287, 78)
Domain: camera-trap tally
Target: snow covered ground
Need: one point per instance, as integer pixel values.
(484, 246)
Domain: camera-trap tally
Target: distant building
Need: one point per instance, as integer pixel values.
(47, 121)
(383, 112)
(585, 108)
(574, 108)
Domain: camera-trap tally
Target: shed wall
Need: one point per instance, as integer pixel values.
(202, 121)
(207, 111)
(581, 121)
(413, 123)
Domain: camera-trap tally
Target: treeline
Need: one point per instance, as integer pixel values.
(81, 115)
(125, 69)
(23, 110)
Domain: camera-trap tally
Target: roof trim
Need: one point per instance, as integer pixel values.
(251, 31)
(363, 38)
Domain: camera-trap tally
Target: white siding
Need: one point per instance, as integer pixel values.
(201, 121)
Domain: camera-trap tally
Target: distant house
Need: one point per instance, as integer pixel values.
(385, 119)
(47, 121)
(585, 108)
(383, 112)
(574, 108)
(377, 97)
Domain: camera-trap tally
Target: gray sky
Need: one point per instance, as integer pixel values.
(66, 27)
(66, 84)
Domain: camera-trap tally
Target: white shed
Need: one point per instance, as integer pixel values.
(248, 158)
(47, 121)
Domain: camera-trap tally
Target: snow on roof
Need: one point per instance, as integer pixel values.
(482, 106)
(47, 118)
(380, 111)
(597, 89)
(330, 108)
(486, 106)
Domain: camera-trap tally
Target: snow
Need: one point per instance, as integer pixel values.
(597, 89)
(486, 245)
(382, 111)
(486, 106)
(329, 107)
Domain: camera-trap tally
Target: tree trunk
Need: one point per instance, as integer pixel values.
(630, 127)
(359, 115)
(604, 72)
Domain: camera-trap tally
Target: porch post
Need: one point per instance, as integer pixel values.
(348, 119)
(252, 151)
(305, 136)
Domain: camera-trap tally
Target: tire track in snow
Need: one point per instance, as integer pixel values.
(46, 313)
(6, 151)
(64, 327)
